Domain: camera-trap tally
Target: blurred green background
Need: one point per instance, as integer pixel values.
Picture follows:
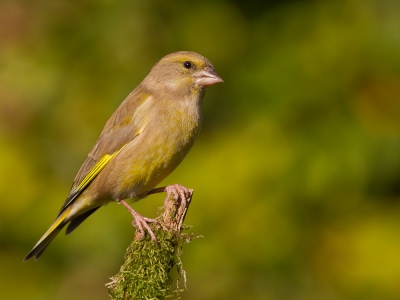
(296, 170)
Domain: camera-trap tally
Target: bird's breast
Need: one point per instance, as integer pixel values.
(164, 140)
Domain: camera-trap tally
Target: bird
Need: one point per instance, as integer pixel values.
(144, 140)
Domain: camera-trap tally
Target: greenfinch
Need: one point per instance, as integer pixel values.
(142, 143)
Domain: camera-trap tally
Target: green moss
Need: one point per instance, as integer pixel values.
(146, 272)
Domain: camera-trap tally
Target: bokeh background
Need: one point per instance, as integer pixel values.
(296, 170)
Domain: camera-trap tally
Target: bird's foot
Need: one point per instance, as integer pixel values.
(140, 222)
(178, 191)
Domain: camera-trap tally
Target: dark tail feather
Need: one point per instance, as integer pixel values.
(40, 247)
(78, 220)
(50, 234)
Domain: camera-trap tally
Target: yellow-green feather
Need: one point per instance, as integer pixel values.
(98, 167)
(50, 234)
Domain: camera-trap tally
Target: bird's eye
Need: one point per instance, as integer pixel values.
(187, 64)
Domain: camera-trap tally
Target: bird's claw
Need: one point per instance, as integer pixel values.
(140, 222)
(178, 191)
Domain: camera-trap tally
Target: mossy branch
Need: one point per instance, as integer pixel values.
(146, 272)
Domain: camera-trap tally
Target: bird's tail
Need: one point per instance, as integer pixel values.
(50, 234)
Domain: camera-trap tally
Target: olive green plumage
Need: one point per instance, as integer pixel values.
(142, 143)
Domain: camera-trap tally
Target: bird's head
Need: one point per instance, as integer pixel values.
(182, 72)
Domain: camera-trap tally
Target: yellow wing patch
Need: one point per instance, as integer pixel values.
(99, 166)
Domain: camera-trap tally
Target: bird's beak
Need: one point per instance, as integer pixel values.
(207, 77)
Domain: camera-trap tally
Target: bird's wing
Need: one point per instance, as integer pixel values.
(119, 130)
